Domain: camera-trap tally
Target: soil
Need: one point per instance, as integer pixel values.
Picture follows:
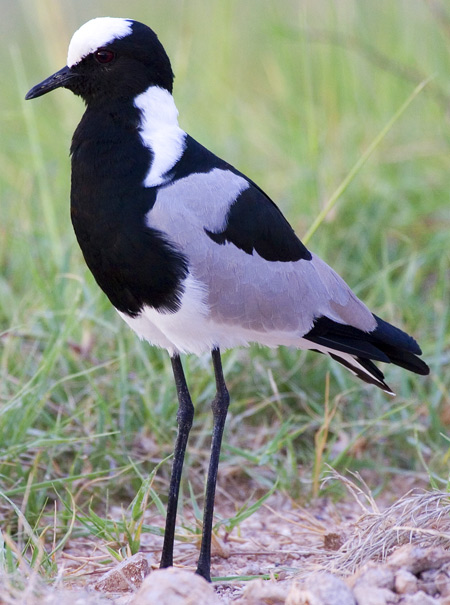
(365, 552)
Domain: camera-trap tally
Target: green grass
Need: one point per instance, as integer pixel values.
(293, 94)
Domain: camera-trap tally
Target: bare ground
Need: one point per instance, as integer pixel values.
(368, 553)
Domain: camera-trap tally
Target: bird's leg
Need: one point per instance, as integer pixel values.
(185, 416)
(219, 409)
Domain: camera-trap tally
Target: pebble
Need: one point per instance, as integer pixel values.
(173, 586)
(416, 559)
(420, 598)
(321, 589)
(405, 582)
(126, 576)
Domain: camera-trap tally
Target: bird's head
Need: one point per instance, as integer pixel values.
(111, 58)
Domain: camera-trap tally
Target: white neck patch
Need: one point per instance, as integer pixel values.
(95, 34)
(160, 132)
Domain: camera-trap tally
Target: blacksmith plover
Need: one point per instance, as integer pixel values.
(193, 255)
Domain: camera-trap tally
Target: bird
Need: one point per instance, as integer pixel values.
(192, 253)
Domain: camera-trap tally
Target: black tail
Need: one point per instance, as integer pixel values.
(386, 343)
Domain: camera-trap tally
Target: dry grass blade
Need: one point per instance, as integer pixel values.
(419, 517)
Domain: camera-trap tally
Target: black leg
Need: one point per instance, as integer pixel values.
(185, 416)
(219, 409)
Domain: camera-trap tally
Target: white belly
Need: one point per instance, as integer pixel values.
(192, 330)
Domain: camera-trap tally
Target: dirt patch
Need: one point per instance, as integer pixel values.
(355, 552)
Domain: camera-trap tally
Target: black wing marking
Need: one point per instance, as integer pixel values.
(386, 343)
(254, 222)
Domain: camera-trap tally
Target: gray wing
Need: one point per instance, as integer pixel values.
(245, 289)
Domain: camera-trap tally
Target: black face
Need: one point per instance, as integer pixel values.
(120, 70)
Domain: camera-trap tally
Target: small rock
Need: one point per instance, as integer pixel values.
(405, 582)
(126, 576)
(219, 547)
(416, 559)
(263, 592)
(443, 582)
(427, 581)
(375, 575)
(420, 598)
(174, 586)
(365, 594)
(333, 541)
(321, 589)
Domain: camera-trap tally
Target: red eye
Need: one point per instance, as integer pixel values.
(104, 56)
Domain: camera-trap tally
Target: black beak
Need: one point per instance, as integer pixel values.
(60, 79)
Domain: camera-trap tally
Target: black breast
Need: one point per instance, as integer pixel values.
(133, 264)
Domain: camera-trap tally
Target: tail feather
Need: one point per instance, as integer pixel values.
(355, 349)
(400, 347)
(365, 370)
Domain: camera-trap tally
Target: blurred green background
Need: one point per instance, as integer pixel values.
(291, 93)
